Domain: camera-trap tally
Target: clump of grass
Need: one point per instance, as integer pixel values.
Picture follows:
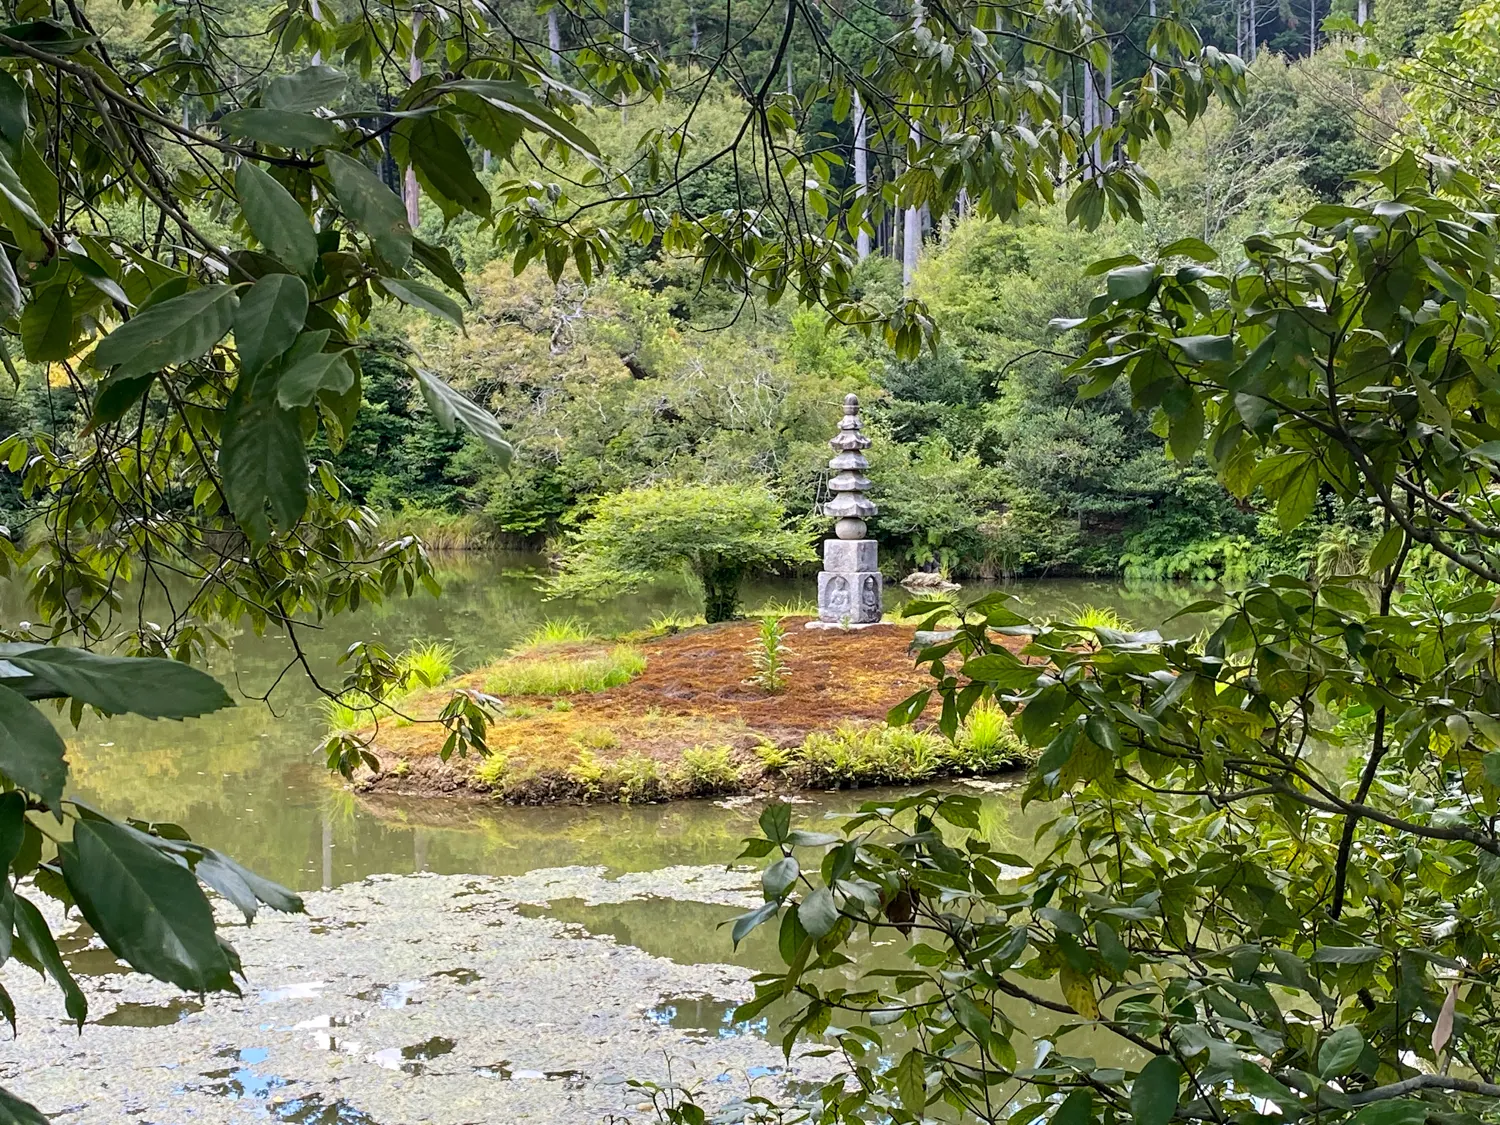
(554, 632)
(668, 623)
(440, 530)
(986, 741)
(793, 607)
(562, 705)
(401, 768)
(426, 665)
(518, 711)
(420, 667)
(709, 769)
(1100, 617)
(566, 675)
(596, 738)
(491, 770)
(768, 657)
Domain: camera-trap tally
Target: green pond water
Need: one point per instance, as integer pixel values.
(249, 780)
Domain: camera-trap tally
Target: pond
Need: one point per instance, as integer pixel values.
(643, 888)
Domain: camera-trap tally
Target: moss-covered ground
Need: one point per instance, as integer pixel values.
(653, 717)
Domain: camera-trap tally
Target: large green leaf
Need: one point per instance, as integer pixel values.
(517, 101)
(13, 113)
(1153, 1098)
(276, 218)
(310, 88)
(443, 163)
(11, 297)
(47, 325)
(261, 458)
(268, 319)
(147, 907)
(372, 206)
(1340, 1051)
(140, 685)
(13, 1111)
(174, 331)
(438, 262)
(15, 194)
(453, 410)
(31, 750)
(41, 949)
(310, 370)
(427, 298)
(278, 127)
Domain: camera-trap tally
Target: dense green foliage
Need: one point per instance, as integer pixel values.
(1274, 868)
(717, 533)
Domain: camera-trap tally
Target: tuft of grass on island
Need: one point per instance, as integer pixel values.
(681, 709)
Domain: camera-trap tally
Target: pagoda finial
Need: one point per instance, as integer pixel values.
(850, 507)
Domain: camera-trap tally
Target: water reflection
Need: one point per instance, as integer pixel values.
(248, 780)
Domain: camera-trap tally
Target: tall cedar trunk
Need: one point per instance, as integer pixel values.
(317, 14)
(554, 42)
(413, 193)
(625, 39)
(861, 172)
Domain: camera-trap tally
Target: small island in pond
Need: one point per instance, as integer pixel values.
(684, 714)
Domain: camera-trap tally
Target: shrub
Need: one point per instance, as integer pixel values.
(768, 657)
(669, 623)
(869, 754)
(566, 675)
(710, 769)
(635, 777)
(587, 773)
(773, 758)
(439, 530)
(718, 533)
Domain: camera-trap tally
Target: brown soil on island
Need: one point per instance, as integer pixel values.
(689, 724)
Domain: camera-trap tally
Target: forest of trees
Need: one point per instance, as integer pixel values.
(985, 463)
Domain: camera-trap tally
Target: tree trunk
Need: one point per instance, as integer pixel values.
(554, 41)
(721, 590)
(1254, 31)
(1312, 26)
(317, 14)
(413, 193)
(861, 172)
(1364, 12)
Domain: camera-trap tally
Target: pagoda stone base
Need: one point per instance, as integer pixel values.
(850, 597)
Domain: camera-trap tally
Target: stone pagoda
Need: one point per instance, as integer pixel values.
(849, 585)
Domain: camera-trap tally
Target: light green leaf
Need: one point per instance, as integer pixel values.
(1207, 349)
(372, 206)
(174, 331)
(1153, 1098)
(452, 411)
(426, 298)
(1386, 551)
(139, 685)
(261, 459)
(268, 319)
(276, 218)
(147, 907)
(280, 128)
(1346, 954)
(310, 88)
(1298, 494)
(47, 325)
(31, 750)
(1340, 1051)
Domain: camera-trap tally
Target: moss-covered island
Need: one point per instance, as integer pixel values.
(691, 712)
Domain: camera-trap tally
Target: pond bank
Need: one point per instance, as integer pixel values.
(662, 717)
